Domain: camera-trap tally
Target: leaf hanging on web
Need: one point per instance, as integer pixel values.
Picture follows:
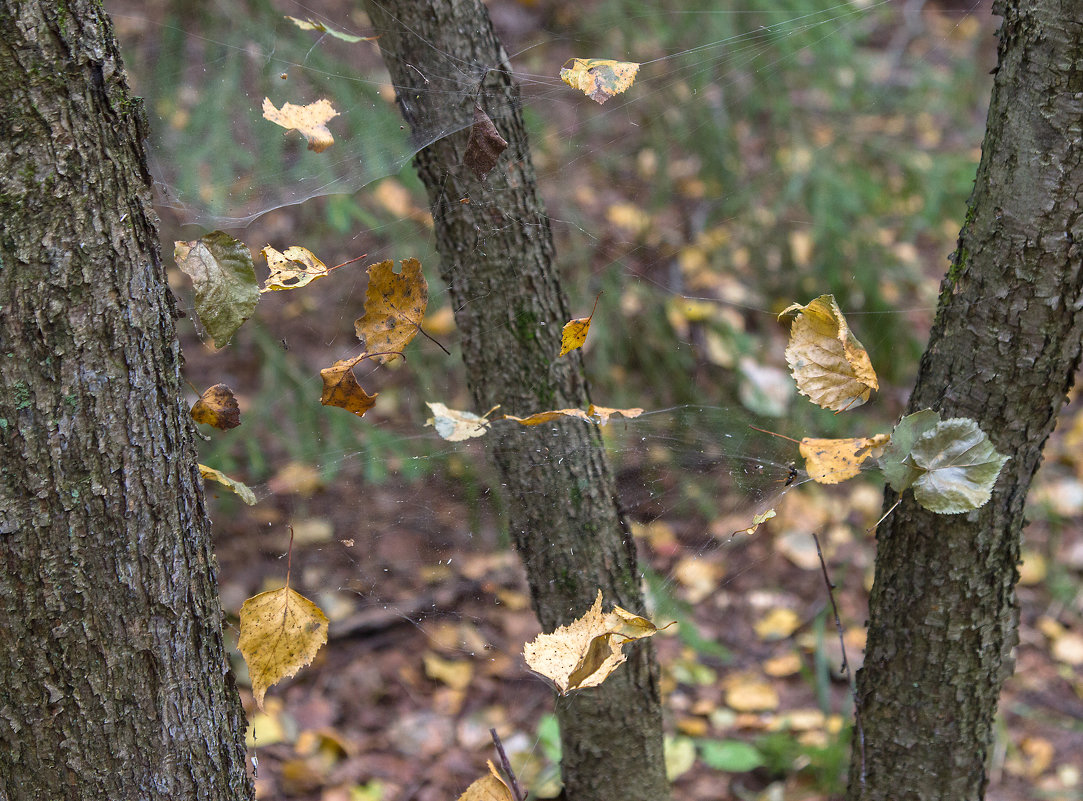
(488, 788)
(242, 490)
(958, 467)
(599, 78)
(217, 407)
(899, 471)
(224, 279)
(313, 25)
(292, 269)
(485, 145)
(757, 521)
(574, 333)
(281, 631)
(828, 364)
(310, 121)
(456, 426)
(340, 388)
(831, 461)
(594, 414)
(394, 308)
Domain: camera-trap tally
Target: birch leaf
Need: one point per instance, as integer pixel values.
(217, 407)
(827, 362)
(599, 78)
(896, 465)
(456, 426)
(574, 333)
(310, 121)
(295, 268)
(281, 631)
(394, 308)
(241, 490)
(224, 280)
(488, 788)
(958, 465)
(831, 461)
(340, 388)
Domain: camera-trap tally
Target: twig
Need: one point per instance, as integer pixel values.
(773, 434)
(858, 729)
(289, 558)
(507, 766)
(428, 336)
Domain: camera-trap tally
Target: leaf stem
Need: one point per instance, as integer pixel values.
(506, 765)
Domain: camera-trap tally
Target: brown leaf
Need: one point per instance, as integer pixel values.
(394, 308)
(341, 389)
(310, 121)
(217, 407)
(485, 145)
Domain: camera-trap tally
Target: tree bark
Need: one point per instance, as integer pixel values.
(1003, 351)
(497, 258)
(113, 678)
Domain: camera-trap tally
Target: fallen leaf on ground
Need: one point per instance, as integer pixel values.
(484, 146)
(746, 693)
(599, 78)
(242, 490)
(341, 389)
(574, 333)
(488, 788)
(394, 308)
(313, 25)
(281, 631)
(292, 269)
(778, 624)
(827, 362)
(217, 407)
(224, 279)
(831, 461)
(456, 426)
(455, 673)
(310, 121)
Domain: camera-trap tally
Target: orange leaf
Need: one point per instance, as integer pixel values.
(217, 407)
(341, 389)
(394, 308)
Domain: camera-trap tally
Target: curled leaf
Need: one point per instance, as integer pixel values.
(313, 25)
(224, 280)
(599, 78)
(827, 362)
(281, 632)
(394, 308)
(217, 407)
(757, 521)
(484, 146)
(242, 490)
(455, 426)
(295, 268)
(310, 121)
(488, 788)
(594, 414)
(831, 461)
(341, 389)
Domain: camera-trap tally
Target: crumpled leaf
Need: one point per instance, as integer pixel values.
(455, 426)
(594, 414)
(599, 78)
(295, 268)
(827, 362)
(241, 490)
(224, 280)
(340, 388)
(484, 146)
(757, 521)
(586, 651)
(394, 308)
(310, 121)
(313, 25)
(217, 407)
(574, 333)
(488, 788)
(281, 631)
(831, 461)
(958, 467)
(897, 468)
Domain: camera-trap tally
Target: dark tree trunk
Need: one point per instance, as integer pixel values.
(113, 678)
(497, 258)
(1003, 351)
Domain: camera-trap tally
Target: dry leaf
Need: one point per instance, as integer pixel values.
(599, 78)
(310, 121)
(295, 268)
(778, 624)
(574, 333)
(217, 407)
(748, 693)
(757, 520)
(485, 145)
(455, 426)
(594, 414)
(455, 673)
(281, 631)
(828, 364)
(312, 25)
(341, 389)
(394, 308)
(831, 461)
(488, 788)
(242, 490)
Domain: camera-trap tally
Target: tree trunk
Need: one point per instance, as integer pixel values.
(1003, 351)
(113, 678)
(497, 259)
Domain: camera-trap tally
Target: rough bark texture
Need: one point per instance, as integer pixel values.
(1003, 351)
(497, 258)
(113, 677)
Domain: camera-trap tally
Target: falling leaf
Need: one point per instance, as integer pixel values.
(281, 631)
(488, 788)
(599, 78)
(310, 121)
(341, 389)
(224, 280)
(484, 146)
(242, 490)
(831, 461)
(594, 414)
(295, 268)
(394, 308)
(896, 467)
(455, 426)
(757, 520)
(313, 25)
(827, 362)
(958, 466)
(217, 407)
(575, 331)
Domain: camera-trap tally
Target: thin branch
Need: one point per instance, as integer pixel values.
(506, 765)
(774, 434)
(425, 334)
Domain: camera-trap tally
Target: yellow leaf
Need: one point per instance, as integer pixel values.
(341, 389)
(778, 624)
(455, 673)
(295, 268)
(242, 490)
(599, 78)
(394, 308)
(762, 517)
(831, 461)
(217, 407)
(594, 414)
(310, 121)
(455, 426)
(575, 331)
(747, 693)
(488, 788)
(828, 364)
(281, 631)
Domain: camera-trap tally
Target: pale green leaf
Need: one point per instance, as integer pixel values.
(732, 756)
(895, 464)
(224, 279)
(959, 467)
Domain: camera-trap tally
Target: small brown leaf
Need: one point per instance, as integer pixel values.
(394, 308)
(341, 389)
(310, 121)
(217, 407)
(485, 145)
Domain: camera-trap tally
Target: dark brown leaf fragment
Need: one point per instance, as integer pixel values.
(485, 145)
(217, 407)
